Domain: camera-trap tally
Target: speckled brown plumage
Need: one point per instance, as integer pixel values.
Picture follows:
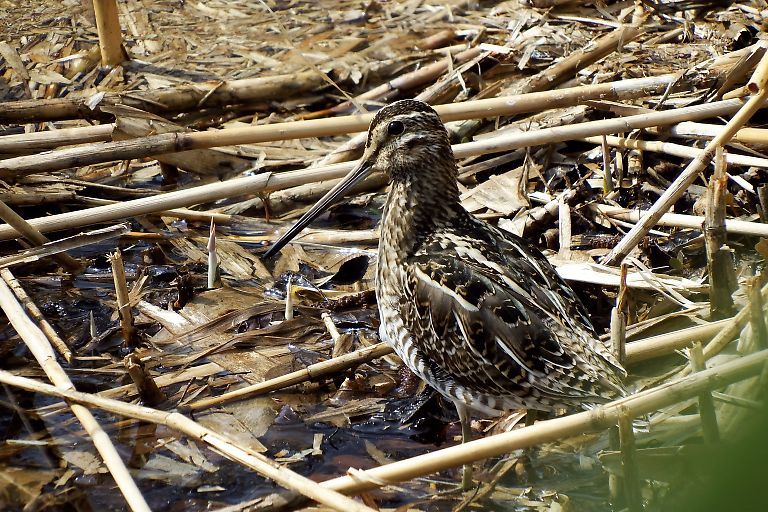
(478, 313)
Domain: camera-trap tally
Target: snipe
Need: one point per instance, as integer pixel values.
(478, 313)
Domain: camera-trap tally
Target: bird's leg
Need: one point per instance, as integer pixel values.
(466, 436)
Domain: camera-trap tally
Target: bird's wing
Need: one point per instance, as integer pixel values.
(467, 301)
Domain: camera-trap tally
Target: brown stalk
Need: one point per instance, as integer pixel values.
(411, 80)
(581, 58)
(174, 99)
(108, 26)
(313, 371)
(146, 386)
(619, 320)
(720, 264)
(123, 302)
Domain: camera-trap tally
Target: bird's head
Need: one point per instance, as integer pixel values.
(406, 141)
(406, 138)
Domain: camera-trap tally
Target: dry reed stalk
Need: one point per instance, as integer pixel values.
(680, 150)
(261, 183)
(121, 296)
(424, 75)
(184, 97)
(492, 107)
(729, 332)
(720, 263)
(64, 244)
(618, 328)
(26, 142)
(679, 220)
(595, 420)
(25, 199)
(179, 213)
(690, 173)
(706, 405)
(756, 312)
(762, 198)
(265, 183)
(218, 442)
(313, 371)
(35, 237)
(42, 322)
(40, 348)
(564, 228)
(752, 136)
(512, 141)
(146, 387)
(746, 63)
(108, 27)
(581, 58)
(667, 343)
(607, 175)
(630, 472)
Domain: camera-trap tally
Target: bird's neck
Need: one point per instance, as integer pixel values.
(415, 207)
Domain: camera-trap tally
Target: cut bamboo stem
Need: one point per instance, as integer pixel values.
(692, 170)
(218, 442)
(43, 353)
(108, 26)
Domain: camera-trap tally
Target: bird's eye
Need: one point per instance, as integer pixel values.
(395, 128)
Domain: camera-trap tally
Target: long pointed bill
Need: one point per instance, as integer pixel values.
(356, 175)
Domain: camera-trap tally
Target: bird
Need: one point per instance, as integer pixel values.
(478, 313)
